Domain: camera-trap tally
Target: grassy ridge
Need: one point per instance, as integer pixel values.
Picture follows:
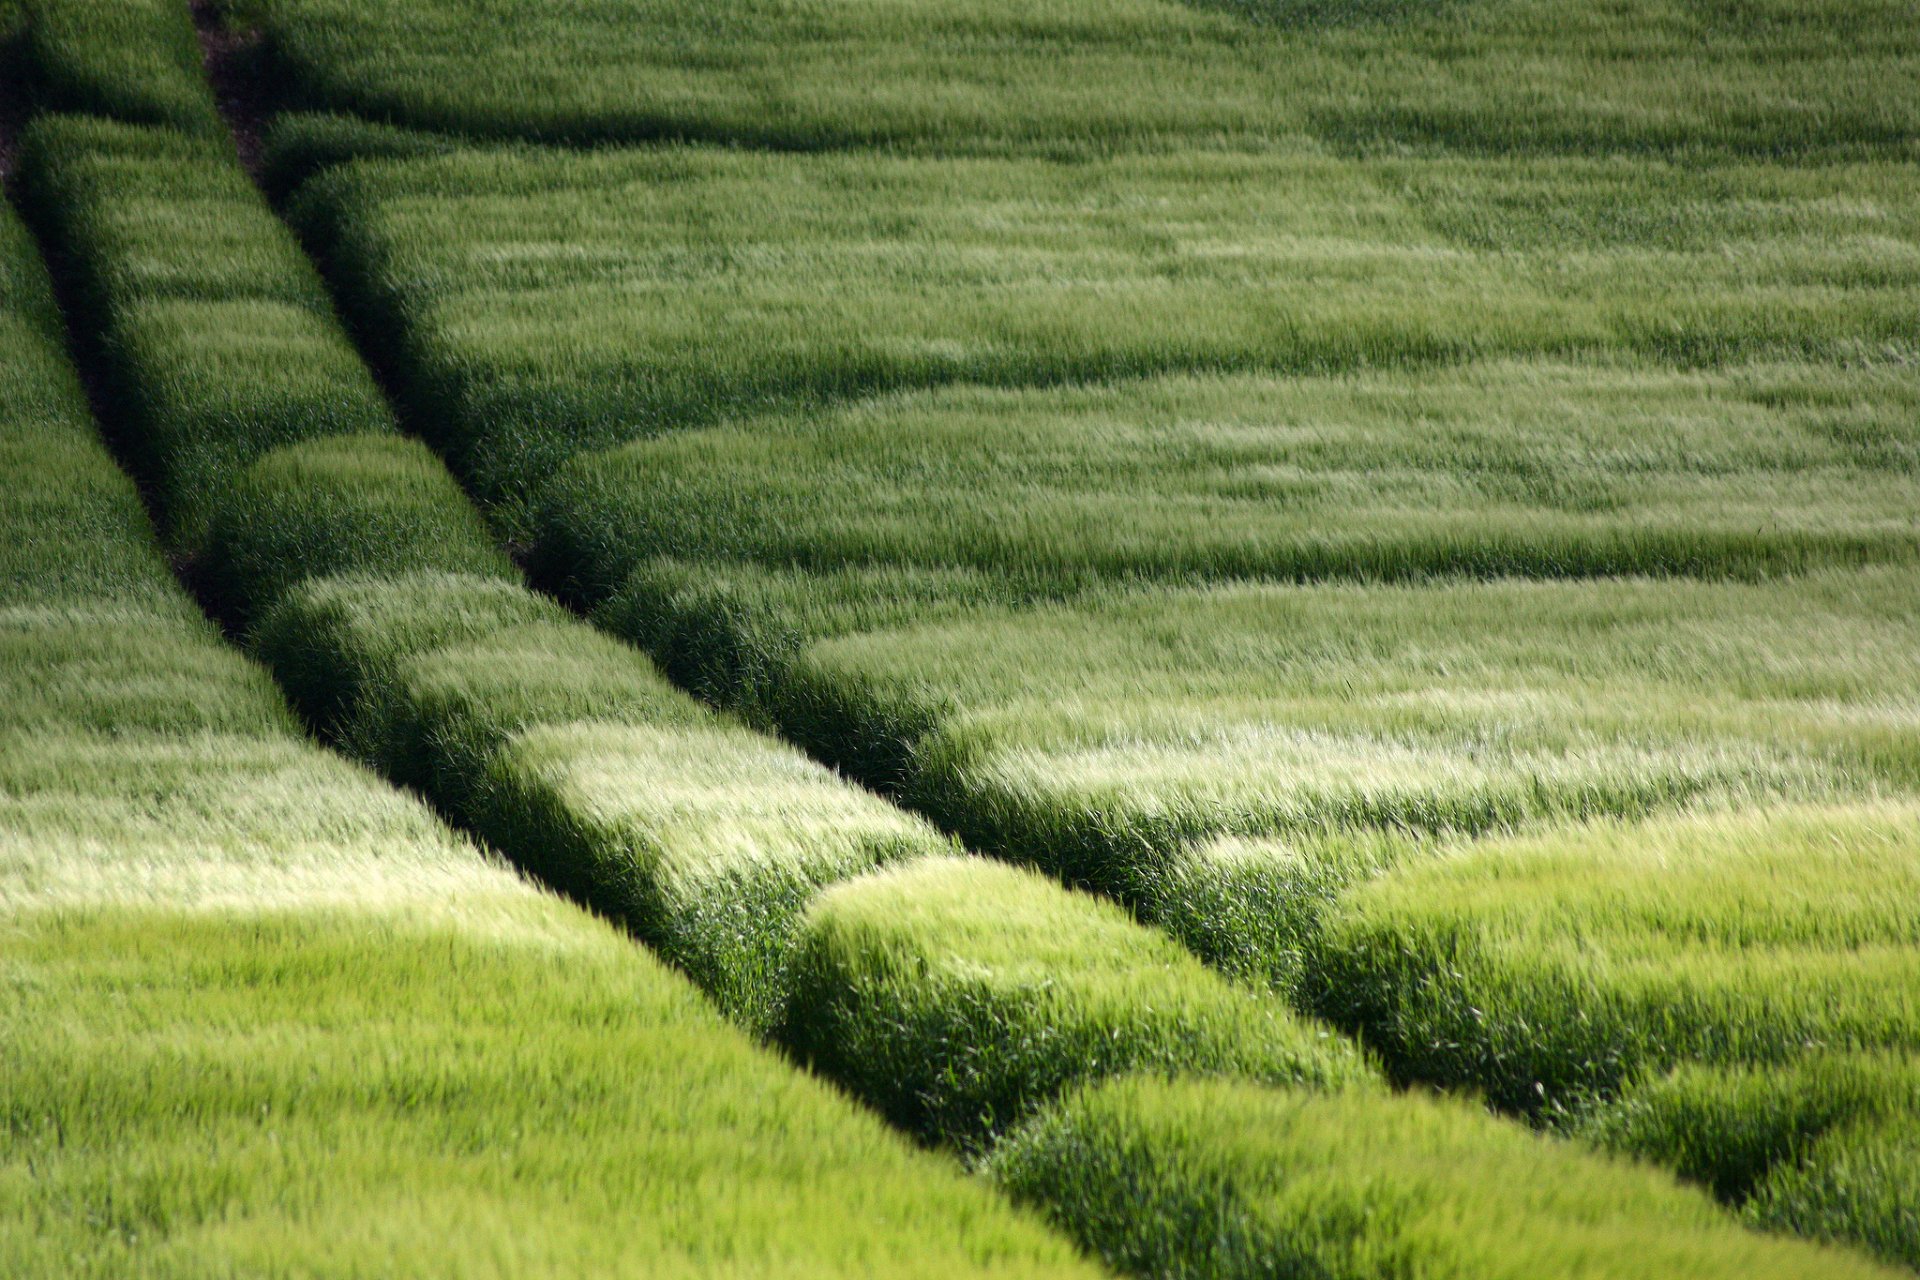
(957, 995)
(1545, 469)
(1546, 968)
(570, 752)
(538, 306)
(1822, 1146)
(1758, 77)
(1101, 736)
(133, 60)
(266, 1012)
(1227, 1179)
(217, 338)
(378, 595)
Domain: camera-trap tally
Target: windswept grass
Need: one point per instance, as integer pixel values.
(1099, 737)
(1823, 1145)
(1544, 469)
(132, 60)
(1763, 77)
(266, 1015)
(537, 306)
(1225, 1179)
(216, 337)
(571, 753)
(1550, 968)
(957, 995)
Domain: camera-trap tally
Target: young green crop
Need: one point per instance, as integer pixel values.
(535, 306)
(1224, 1179)
(266, 1013)
(1099, 737)
(1768, 77)
(216, 337)
(1549, 968)
(133, 60)
(1822, 1145)
(1538, 468)
(957, 995)
(568, 751)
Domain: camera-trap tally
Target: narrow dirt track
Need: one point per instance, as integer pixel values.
(232, 60)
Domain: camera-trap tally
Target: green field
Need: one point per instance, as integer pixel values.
(968, 637)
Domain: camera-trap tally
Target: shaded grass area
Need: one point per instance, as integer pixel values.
(957, 995)
(1229, 1179)
(535, 306)
(132, 60)
(1745, 77)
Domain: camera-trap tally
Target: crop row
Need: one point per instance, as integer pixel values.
(264, 1008)
(1024, 610)
(454, 675)
(1646, 77)
(542, 304)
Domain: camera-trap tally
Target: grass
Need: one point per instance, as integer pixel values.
(1099, 737)
(1821, 1146)
(216, 337)
(536, 306)
(338, 505)
(1550, 969)
(568, 751)
(1535, 469)
(267, 1015)
(1228, 1179)
(957, 995)
(1761, 77)
(132, 60)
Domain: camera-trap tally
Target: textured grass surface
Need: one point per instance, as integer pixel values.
(535, 306)
(266, 1015)
(215, 336)
(133, 60)
(957, 995)
(1224, 1179)
(570, 752)
(1762, 76)
(1543, 469)
(1823, 1145)
(1547, 968)
(1098, 738)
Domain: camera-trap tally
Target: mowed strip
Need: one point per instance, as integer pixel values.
(267, 1011)
(535, 306)
(1650, 76)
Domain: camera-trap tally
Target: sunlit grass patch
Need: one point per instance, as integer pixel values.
(958, 994)
(1227, 1179)
(1548, 968)
(1822, 1145)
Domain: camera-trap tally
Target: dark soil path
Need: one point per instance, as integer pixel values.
(234, 68)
